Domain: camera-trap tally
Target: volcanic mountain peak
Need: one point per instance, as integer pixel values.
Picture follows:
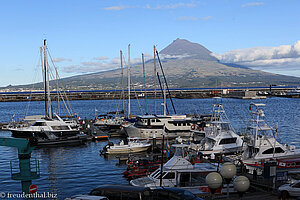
(182, 47)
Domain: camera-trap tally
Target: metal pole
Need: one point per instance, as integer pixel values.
(128, 69)
(44, 79)
(228, 191)
(122, 72)
(154, 62)
(47, 81)
(146, 105)
(162, 158)
(166, 82)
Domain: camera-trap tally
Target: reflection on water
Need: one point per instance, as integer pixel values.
(77, 170)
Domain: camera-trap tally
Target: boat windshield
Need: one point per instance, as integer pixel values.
(179, 152)
(60, 127)
(225, 126)
(39, 124)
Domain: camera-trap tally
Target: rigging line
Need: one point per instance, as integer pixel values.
(63, 94)
(165, 81)
(135, 94)
(33, 85)
(121, 96)
(162, 93)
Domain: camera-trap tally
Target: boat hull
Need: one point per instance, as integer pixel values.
(127, 150)
(143, 133)
(28, 133)
(69, 141)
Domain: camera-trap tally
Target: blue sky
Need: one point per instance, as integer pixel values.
(86, 36)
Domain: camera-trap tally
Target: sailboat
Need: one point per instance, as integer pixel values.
(49, 130)
(112, 121)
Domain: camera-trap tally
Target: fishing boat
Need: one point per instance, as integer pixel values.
(220, 136)
(133, 146)
(49, 130)
(178, 172)
(262, 144)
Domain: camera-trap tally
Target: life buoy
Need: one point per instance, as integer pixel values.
(204, 189)
(131, 165)
(193, 127)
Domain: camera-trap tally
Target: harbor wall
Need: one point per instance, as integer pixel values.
(175, 93)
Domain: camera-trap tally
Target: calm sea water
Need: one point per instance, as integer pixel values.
(67, 171)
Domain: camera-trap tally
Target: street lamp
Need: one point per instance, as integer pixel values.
(228, 171)
(214, 181)
(241, 184)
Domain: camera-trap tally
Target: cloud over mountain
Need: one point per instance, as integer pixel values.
(264, 57)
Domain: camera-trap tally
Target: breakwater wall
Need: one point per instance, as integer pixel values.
(243, 93)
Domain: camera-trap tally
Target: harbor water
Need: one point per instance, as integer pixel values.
(68, 171)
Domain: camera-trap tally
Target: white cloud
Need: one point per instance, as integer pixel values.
(104, 64)
(260, 53)
(101, 58)
(206, 18)
(165, 56)
(284, 57)
(117, 8)
(187, 18)
(253, 4)
(157, 7)
(61, 59)
(178, 5)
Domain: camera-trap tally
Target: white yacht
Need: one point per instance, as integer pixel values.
(220, 137)
(177, 172)
(262, 144)
(59, 128)
(49, 130)
(149, 125)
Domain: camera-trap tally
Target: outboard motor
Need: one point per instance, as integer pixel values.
(104, 150)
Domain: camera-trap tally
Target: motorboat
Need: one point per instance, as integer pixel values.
(294, 92)
(133, 146)
(109, 122)
(171, 126)
(220, 136)
(262, 143)
(178, 172)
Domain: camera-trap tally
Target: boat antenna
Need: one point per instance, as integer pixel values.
(146, 105)
(165, 82)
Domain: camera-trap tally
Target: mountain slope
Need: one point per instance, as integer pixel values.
(186, 65)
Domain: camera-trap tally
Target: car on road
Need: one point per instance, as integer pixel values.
(292, 190)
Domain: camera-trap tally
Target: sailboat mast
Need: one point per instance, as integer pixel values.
(122, 72)
(44, 80)
(146, 105)
(165, 100)
(128, 69)
(154, 61)
(47, 88)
